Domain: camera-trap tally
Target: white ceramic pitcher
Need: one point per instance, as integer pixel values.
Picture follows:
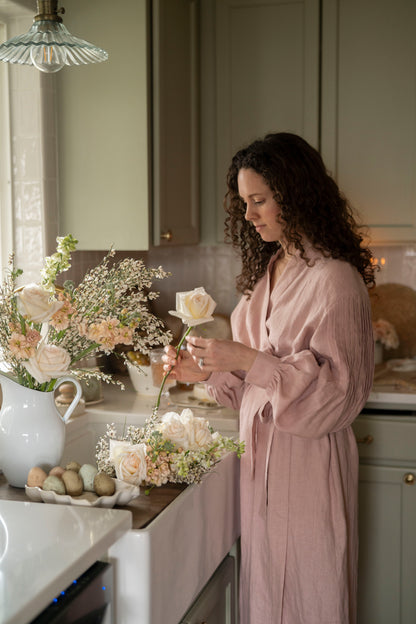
(32, 431)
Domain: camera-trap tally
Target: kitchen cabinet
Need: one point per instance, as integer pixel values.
(368, 119)
(216, 603)
(343, 76)
(259, 74)
(387, 517)
(128, 127)
(175, 122)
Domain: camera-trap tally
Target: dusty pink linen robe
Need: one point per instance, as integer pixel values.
(299, 474)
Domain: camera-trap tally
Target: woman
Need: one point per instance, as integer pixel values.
(299, 370)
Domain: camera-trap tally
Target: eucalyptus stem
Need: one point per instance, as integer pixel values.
(178, 348)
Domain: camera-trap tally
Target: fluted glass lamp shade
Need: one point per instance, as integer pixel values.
(48, 45)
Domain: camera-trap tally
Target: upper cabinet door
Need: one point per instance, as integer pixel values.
(175, 122)
(259, 73)
(369, 110)
(103, 130)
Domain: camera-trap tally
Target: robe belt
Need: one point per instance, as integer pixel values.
(254, 437)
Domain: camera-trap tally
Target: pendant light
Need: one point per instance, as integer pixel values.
(48, 45)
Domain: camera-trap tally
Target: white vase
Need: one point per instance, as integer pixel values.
(32, 431)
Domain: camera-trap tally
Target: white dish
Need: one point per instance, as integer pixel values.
(405, 365)
(193, 401)
(122, 496)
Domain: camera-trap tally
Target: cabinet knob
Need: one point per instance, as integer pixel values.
(368, 439)
(167, 235)
(409, 478)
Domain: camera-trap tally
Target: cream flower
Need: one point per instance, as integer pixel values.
(35, 303)
(21, 348)
(129, 461)
(124, 335)
(172, 428)
(194, 307)
(386, 333)
(49, 362)
(185, 430)
(202, 434)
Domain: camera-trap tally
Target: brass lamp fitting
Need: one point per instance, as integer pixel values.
(48, 10)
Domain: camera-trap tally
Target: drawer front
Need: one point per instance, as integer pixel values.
(386, 439)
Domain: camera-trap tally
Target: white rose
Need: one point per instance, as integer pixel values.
(194, 307)
(34, 303)
(202, 434)
(49, 362)
(187, 419)
(173, 429)
(116, 448)
(129, 462)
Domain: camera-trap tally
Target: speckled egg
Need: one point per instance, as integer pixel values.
(104, 485)
(74, 485)
(36, 476)
(73, 465)
(87, 473)
(58, 471)
(54, 484)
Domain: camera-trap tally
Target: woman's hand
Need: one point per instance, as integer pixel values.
(183, 368)
(212, 355)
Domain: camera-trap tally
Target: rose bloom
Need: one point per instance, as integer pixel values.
(173, 429)
(194, 307)
(49, 362)
(197, 429)
(202, 434)
(129, 461)
(35, 303)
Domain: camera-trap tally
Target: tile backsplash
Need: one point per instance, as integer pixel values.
(216, 267)
(213, 267)
(398, 264)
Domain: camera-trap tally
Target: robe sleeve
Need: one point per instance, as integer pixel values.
(320, 389)
(227, 388)
(317, 390)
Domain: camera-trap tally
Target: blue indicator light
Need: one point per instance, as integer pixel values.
(74, 582)
(62, 593)
(55, 599)
(103, 587)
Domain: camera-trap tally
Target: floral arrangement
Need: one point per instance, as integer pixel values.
(176, 448)
(179, 448)
(385, 333)
(45, 329)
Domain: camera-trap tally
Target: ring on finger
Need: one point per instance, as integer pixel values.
(201, 362)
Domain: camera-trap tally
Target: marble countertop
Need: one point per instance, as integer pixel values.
(43, 548)
(125, 403)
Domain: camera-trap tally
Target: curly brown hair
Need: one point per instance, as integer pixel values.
(312, 208)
